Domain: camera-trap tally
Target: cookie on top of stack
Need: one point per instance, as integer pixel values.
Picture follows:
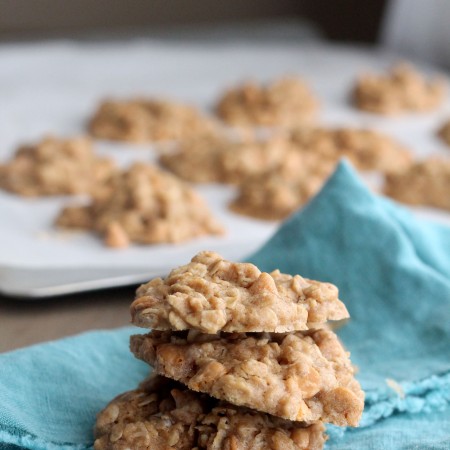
(242, 359)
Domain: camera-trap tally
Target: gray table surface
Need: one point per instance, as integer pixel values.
(23, 323)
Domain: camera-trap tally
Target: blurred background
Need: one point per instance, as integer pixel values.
(410, 29)
(345, 20)
(413, 27)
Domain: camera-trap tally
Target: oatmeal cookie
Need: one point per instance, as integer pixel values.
(144, 205)
(297, 376)
(425, 183)
(55, 167)
(211, 294)
(284, 102)
(444, 132)
(147, 120)
(401, 90)
(366, 149)
(163, 415)
(197, 159)
(223, 160)
(278, 193)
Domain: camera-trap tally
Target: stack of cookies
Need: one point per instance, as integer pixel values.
(242, 359)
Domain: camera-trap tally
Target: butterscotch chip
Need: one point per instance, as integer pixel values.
(278, 193)
(211, 294)
(144, 205)
(301, 377)
(163, 415)
(55, 167)
(444, 132)
(401, 90)
(366, 149)
(223, 160)
(424, 183)
(284, 102)
(147, 120)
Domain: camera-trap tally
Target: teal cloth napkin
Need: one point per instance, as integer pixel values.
(393, 271)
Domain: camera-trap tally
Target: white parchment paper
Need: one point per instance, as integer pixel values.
(54, 87)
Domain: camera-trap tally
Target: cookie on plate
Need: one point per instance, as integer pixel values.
(143, 205)
(146, 120)
(424, 183)
(55, 166)
(284, 102)
(297, 376)
(164, 415)
(211, 294)
(403, 89)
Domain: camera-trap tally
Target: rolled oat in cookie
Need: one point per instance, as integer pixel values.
(144, 205)
(424, 183)
(297, 376)
(164, 415)
(146, 120)
(55, 166)
(401, 90)
(211, 294)
(287, 101)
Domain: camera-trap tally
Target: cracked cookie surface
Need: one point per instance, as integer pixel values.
(163, 415)
(55, 166)
(296, 376)
(144, 205)
(283, 102)
(211, 294)
(147, 120)
(402, 89)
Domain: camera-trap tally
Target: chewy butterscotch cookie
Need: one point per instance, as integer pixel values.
(147, 120)
(309, 156)
(278, 193)
(366, 149)
(424, 183)
(163, 415)
(401, 90)
(197, 159)
(223, 160)
(144, 205)
(284, 102)
(55, 167)
(297, 376)
(211, 294)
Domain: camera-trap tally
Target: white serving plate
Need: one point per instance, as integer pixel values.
(54, 87)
